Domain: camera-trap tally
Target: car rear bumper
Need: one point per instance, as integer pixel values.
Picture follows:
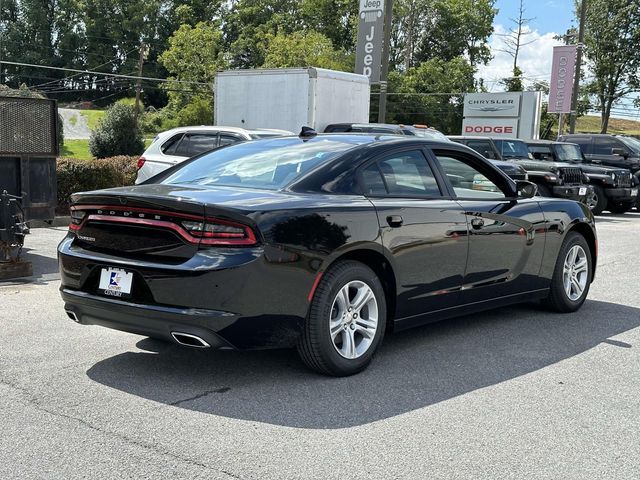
(243, 299)
(150, 320)
(572, 192)
(622, 194)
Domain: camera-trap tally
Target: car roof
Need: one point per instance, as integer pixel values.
(222, 128)
(468, 137)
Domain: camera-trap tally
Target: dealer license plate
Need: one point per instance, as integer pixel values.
(115, 282)
(582, 191)
(634, 192)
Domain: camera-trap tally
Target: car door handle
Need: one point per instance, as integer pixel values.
(394, 221)
(477, 222)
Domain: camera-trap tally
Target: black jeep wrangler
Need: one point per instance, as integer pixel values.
(554, 179)
(614, 189)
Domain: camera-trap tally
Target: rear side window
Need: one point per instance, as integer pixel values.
(196, 143)
(405, 174)
(226, 139)
(169, 147)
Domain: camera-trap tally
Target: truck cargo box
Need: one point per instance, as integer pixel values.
(290, 98)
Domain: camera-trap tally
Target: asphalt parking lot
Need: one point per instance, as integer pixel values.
(516, 393)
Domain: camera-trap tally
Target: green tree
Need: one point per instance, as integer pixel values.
(194, 54)
(612, 36)
(514, 83)
(431, 93)
(445, 29)
(117, 133)
(304, 49)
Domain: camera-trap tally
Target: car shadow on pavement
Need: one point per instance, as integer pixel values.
(414, 369)
(45, 269)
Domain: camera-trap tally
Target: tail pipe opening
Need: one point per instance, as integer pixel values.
(72, 315)
(189, 340)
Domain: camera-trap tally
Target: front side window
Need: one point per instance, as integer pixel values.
(467, 181)
(605, 146)
(405, 174)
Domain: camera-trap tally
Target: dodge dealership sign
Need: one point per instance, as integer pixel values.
(506, 115)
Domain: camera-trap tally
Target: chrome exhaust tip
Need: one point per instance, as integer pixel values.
(72, 315)
(189, 340)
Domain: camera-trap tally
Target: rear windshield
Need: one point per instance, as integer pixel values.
(264, 164)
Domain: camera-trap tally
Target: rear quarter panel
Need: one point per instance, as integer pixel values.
(561, 216)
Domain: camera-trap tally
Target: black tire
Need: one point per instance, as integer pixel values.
(599, 200)
(619, 207)
(316, 347)
(558, 300)
(543, 190)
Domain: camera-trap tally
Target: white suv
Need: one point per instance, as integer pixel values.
(176, 145)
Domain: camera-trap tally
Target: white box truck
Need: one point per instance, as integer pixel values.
(290, 98)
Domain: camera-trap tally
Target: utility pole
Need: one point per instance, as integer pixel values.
(141, 56)
(576, 82)
(384, 72)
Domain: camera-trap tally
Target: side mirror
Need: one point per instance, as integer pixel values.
(619, 151)
(488, 154)
(537, 155)
(526, 189)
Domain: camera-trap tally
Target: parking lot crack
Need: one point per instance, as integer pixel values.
(199, 395)
(29, 399)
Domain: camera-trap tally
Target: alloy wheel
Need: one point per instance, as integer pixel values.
(575, 272)
(354, 319)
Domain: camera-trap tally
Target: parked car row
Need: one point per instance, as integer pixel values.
(561, 169)
(601, 171)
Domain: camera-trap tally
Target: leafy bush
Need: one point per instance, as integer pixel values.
(117, 133)
(81, 175)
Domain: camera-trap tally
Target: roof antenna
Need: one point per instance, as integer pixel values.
(307, 132)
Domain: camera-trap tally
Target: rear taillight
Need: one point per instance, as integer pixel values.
(141, 161)
(214, 231)
(77, 216)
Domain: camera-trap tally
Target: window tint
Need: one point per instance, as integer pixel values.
(541, 152)
(403, 174)
(584, 142)
(467, 181)
(169, 147)
(268, 164)
(226, 139)
(603, 145)
(483, 147)
(512, 148)
(196, 143)
(373, 182)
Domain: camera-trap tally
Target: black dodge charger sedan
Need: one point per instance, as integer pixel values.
(323, 242)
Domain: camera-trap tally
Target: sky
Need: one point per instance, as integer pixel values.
(549, 18)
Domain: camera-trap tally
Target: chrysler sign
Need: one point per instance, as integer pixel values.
(495, 104)
(502, 115)
(369, 47)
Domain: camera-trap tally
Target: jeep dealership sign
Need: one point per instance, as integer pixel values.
(369, 47)
(505, 115)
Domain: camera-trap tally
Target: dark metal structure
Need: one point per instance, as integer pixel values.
(28, 151)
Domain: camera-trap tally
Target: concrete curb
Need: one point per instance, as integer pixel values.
(57, 222)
